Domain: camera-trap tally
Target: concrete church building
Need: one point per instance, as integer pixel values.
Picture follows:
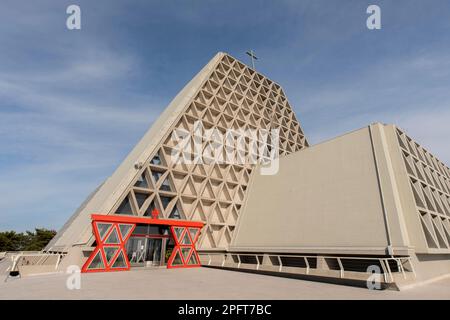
(372, 200)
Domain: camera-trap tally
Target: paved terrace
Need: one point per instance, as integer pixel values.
(199, 283)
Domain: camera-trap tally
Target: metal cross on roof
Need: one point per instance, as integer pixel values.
(253, 57)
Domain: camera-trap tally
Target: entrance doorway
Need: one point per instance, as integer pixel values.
(147, 246)
(143, 251)
(154, 252)
(144, 241)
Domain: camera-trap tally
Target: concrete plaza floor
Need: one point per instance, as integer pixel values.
(200, 283)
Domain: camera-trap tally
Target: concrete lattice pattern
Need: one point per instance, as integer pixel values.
(430, 184)
(232, 97)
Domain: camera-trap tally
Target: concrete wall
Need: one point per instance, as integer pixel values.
(326, 199)
(26, 271)
(75, 256)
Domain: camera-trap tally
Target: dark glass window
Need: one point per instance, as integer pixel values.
(141, 182)
(113, 237)
(156, 175)
(103, 228)
(97, 262)
(156, 160)
(110, 252)
(166, 185)
(165, 201)
(120, 261)
(125, 207)
(140, 198)
(177, 260)
(175, 214)
(140, 229)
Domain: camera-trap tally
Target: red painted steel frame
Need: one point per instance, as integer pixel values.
(115, 220)
(179, 245)
(101, 245)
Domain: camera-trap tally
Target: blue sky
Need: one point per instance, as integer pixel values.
(74, 103)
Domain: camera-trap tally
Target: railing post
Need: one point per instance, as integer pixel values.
(307, 264)
(281, 264)
(400, 266)
(57, 262)
(389, 270)
(412, 267)
(341, 267)
(384, 269)
(15, 261)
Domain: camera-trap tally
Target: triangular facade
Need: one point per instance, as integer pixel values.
(226, 94)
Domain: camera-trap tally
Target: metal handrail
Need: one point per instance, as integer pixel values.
(384, 262)
(301, 256)
(41, 258)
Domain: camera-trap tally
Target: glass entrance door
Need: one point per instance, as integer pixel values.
(147, 245)
(153, 254)
(136, 250)
(144, 251)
